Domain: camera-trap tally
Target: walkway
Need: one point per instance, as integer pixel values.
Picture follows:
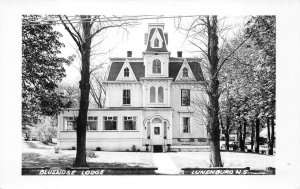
(165, 164)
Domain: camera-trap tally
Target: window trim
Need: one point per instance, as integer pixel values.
(126, 97)
(74, 119)
(160, 87)
(133, 118)
(185, 71)
(152, 87)
(189, 125)
(112, 119)
(189, 96)
(156, 43)
(156, 66)
(126, 72)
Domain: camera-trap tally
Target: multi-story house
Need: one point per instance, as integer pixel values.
(149, 102)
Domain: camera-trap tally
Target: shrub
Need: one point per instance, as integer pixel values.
(138, 150)
(73, 148)
(133, 148)
(45, 133)
(98, 149)
(91, 153)
(127, 150)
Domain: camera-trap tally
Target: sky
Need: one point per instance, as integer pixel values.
(117, 42)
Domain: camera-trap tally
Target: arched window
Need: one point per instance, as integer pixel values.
(126, 72)
(156, 66)
(185, 72)
(156, 42)
(160, 94)
(152, 95)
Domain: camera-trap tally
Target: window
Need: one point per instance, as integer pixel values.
(156, 42)
(110, 123)
(126, 72)
(152, 95)
(160, 94)
(186, 124)
(129, 123)
(69, 124)
(156, 130)
(126, 96)
(92, 123)
(156, 66)
(185, 97)
(185, 72)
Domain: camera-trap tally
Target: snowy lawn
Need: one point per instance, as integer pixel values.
(230, 159)
(36, 154)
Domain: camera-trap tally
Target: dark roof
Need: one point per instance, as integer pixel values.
(174, 68)
(139, 70)
(163, 48)
(197, 71)
(114, 70)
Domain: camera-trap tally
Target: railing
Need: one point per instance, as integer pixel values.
(189, 142)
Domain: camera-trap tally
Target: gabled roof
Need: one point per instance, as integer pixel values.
(174, 68)
(138, 68)
(163, 48)
(131, 75)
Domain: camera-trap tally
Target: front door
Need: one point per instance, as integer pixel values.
(157, 134)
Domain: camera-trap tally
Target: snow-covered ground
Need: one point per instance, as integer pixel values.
(36, 154)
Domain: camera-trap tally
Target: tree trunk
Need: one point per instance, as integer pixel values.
(244, 135)
(268, 129)
(257, 135)
(252, 134)
(213, 95)
(84, 85)
(271, 145)
(227, 132)
(240, 137)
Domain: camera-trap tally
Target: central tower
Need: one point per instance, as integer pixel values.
(156, 57)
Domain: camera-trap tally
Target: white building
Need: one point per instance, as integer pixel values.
(149, 102)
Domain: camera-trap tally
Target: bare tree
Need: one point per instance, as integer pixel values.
(97, 89)
(204, 33)
(83, 29)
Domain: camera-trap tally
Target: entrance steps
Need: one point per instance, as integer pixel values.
(190, 148)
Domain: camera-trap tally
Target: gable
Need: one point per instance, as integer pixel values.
(131, 75)
(138, 69)
(190, 74)
(174, 68)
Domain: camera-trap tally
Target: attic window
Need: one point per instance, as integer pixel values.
(156, 67)
(156, 42)
(185, 72)
(126, 72)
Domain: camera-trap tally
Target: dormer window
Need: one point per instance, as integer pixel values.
(126, 72)
(185, 72)
(156, 67)
(156, 42)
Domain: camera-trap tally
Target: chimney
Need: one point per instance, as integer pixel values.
(129, 53)
(179, 54)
